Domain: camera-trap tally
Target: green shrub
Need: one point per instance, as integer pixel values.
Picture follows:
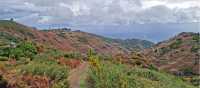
(25, 49)
(28, 49)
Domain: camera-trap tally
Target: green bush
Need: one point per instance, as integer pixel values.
(25, 49)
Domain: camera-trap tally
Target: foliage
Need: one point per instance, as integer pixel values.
(109, 75)
(24, 49)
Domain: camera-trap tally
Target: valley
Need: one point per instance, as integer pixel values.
(62, 58)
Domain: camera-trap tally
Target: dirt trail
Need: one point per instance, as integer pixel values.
(77, 74)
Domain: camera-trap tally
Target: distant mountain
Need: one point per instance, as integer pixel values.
(132, 44)
(178, 55)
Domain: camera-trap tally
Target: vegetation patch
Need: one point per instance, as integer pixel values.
(109, 75)
(55, 72)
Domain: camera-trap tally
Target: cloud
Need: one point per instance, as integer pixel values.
(100, 12)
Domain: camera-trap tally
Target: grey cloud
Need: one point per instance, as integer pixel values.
(94, 12)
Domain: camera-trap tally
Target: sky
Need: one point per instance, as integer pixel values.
(105, 15)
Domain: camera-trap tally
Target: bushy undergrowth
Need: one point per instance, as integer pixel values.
(109, 75)
(23, 49)
(48, 68)
(54, 71)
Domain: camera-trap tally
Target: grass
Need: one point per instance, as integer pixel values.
(54, 71)
(57, 73)
(110, 75)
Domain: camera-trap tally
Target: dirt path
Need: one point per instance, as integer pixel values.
(77, 74)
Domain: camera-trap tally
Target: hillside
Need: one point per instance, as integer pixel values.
(59, 39)
(178, 55)
(31, 58)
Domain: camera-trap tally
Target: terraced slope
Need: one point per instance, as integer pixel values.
(178, 55)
